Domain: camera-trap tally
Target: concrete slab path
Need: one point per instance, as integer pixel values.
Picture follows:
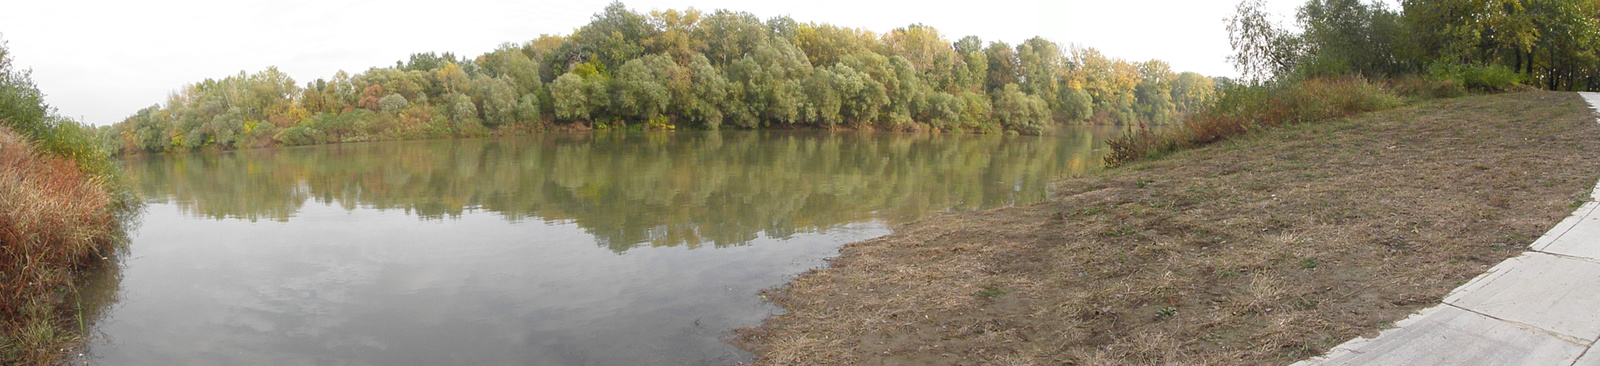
(1540, 308)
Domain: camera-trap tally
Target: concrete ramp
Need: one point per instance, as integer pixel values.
(1540, 308)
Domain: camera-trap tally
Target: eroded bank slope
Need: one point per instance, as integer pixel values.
(1262, 250)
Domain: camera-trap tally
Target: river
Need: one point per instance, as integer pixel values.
(588, 249)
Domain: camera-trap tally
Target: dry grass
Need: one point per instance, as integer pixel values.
(1245, 108)
(55, 220)
(1263, 249)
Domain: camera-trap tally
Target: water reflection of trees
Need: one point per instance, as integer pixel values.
(664, 189)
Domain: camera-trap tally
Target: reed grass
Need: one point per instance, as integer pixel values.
(56, 220)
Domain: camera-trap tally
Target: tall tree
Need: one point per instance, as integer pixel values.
(1262, 49)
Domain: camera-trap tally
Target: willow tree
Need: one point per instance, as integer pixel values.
(1019, 111)
(570, 98)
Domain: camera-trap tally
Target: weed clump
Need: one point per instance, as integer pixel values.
(1489, 78)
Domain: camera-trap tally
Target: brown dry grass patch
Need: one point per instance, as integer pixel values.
(1264, 249)
(55, 220)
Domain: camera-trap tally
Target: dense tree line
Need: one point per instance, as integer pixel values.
(1554, 44)
(666, 69)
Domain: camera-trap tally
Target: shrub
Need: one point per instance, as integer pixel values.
(1492, 78)
(299, 135)
(394, 103)
(23, 111)
(256, 134)
(1418, 87)
(1322, 98)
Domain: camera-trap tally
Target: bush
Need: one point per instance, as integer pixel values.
(256, 134)
(1418, 87)
(1321, 99)
(435, 126)
(1491, 78)
(22, 109)
(299, 135)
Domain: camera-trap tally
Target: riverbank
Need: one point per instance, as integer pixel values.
(1264, 249)
(59, 227)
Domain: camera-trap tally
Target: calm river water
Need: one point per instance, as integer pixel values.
(603, 249)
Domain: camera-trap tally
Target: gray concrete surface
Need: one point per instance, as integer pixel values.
(1540, 308)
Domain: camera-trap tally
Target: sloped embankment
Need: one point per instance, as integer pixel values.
(1264, 249)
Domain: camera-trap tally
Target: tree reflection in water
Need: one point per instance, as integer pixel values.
(630, 189)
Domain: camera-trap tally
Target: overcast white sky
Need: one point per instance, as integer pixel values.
(103, 60)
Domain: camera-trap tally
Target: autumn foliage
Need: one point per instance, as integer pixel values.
(55, 219)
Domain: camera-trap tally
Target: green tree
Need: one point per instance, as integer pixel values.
(1154, 92)
(943, 111)
(464, 114)
(878, 85)
(977, 115)
(147, 129)
(642, 86)
(710, 90)
(822, 98)
(1111, 83)
(1262, 49)
(1002, 68)
(1018, 111)
(1076, 105)
(927, 51)
(730, 35)
(393, 104)
(512, 62)
(907, 93)
(1191, 92)
(570, 97)
(1566, 55)
(1039, 62)
(612, 37)
(827, 44)
(675, 34)
(498, 98)
(973, 69)
(528, 109)
(1352, 37)
(862, 98)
